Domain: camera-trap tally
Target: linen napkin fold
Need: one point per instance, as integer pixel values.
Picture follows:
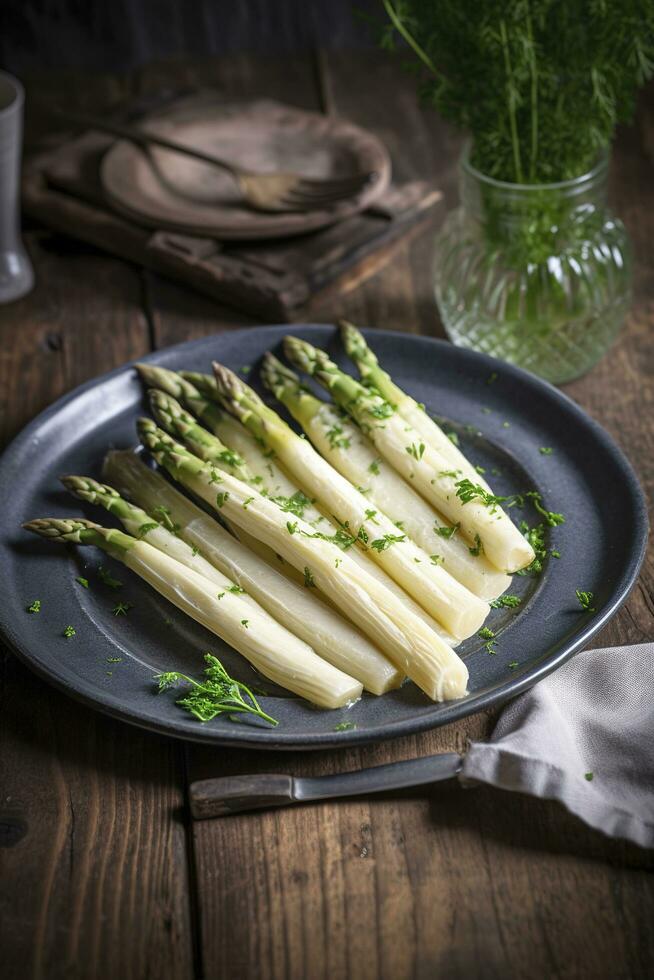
(583, 736)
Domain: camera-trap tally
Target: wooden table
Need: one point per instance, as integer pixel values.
(102, 873)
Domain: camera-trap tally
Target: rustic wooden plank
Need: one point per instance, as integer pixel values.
(449, 883)
(92, 848)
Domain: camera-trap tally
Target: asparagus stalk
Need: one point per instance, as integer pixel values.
(292, 605)
(403, 637)
(343, 445)
(407, 407)
(484, 523)
(270, 648)
(441, 596)
(197, 394)
(174, 420)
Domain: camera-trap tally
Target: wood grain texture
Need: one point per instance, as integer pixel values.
(453, 883)
(445, 884)
(93, 869)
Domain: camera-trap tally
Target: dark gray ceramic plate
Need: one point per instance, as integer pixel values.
(111, 661)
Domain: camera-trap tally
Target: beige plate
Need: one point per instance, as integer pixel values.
(162, 189)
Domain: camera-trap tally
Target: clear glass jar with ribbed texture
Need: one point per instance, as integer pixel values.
(538, 275)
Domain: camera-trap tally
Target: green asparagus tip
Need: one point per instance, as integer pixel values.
(355, 344)
(275, 375)
(87, 488)
(167, 409)
(228, 385)
(303, 355)
(67, 528)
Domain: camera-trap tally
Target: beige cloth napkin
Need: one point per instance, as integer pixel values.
(583, 736)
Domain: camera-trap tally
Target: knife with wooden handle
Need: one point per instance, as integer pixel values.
(226, 795)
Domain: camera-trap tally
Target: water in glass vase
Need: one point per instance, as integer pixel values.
(539, 275)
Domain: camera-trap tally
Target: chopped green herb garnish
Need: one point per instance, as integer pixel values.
(144, 528)
(446, 532)
(114, 660)
(215, 477)
(466, 491)
(219, 595)
(162, 514)
(121, 608)
(374, 467)
(309, 580)
(416, 451)
(506, 602)
(107, 578)
(345, 726)
(585, 599)
(589, 776)
(245, 369)
(336, 438)
(84, 582)
(195, 551)
(245, 623)
(383, 411)
(218, 694)
(513, 664)
(452, 473)
(381, 544)
(546, 450)
(477, 548)
(293, 505)
(362, 535)
(247, 502)
(337, 562)
(34, 606)
(492, 378)
(370, 516)
(231, 458)
(486, 634)
(221, 498)
(418, 561)
(291, 526)
(69, 631)
(480, 469)
(436, 559)
(453, 437)
(555, 553)
(236, 590)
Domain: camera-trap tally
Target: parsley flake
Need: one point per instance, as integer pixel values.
(34, 607)
(84, 582)
(345, 726)
(585, 600)
(121, 608)
(506, 602)
(69, 631)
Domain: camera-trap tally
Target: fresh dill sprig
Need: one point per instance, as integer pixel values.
(540, 87)
(218, 694)
(506, 602)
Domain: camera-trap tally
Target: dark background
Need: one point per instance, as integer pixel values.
(116, 35)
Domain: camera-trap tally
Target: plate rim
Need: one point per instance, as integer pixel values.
(285, 224)
(272, 739)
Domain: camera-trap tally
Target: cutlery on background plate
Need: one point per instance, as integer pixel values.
(264, 192)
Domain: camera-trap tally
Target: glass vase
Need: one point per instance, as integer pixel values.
(538, 275)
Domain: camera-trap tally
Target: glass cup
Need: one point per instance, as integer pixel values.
(16, 273)
(539, 275)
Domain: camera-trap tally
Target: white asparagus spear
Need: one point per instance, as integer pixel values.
(269, 647)
(446, 600)
(460, 499)
(343, 445)
(292, 605)
(286, 494)
(431, 433)
(404, 638)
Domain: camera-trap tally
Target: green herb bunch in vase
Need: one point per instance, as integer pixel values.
(532, 266)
